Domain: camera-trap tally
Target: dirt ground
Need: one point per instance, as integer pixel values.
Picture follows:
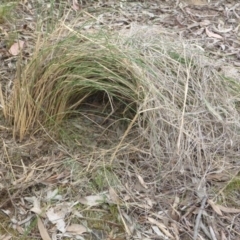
(41, 167)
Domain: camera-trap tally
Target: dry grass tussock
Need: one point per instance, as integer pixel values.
(186, 110)
(180, 113)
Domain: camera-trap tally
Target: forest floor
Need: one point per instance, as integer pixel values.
(100, 180)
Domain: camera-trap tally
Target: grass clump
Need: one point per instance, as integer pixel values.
(179, 107)
(71, 73)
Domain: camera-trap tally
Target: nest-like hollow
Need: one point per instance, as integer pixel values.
(104, 107)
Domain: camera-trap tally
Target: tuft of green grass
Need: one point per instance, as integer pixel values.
(6, 11)
(231, 192)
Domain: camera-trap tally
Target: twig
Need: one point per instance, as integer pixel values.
(199, 218)
(212, 233)
(9, 161)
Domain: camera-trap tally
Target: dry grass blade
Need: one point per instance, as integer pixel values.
(2, 102)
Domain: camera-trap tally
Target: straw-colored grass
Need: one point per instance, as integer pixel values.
(63, 75)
